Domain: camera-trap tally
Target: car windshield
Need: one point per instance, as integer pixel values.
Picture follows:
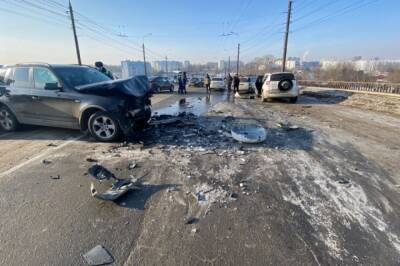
(78, 76)
(216, 79)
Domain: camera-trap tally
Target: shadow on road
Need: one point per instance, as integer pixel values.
(137, 199)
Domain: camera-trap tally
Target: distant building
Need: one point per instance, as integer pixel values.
(310, 65)
(223, 63)
(134, 68)
(291, 64)
(161, 66)
(186, 64)
(368, 66)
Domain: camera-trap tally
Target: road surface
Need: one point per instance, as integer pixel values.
(323, 189)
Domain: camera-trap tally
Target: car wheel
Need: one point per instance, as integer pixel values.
(285, 85)
(8, 122)
(293, 100)
(103, 127)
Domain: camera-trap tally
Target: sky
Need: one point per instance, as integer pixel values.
(198, 31)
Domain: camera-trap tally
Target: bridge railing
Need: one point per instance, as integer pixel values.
(357, 86)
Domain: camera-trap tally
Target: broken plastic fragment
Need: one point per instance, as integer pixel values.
(100, 173)
(249, 133)
(118, 189)
(98, 256)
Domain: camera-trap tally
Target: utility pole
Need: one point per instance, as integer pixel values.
(286, 36)
(237, 63)
(166, 65)
(229, 64)
(71, 14)
(144, 60)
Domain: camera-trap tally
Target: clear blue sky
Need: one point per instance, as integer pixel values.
(191, 30)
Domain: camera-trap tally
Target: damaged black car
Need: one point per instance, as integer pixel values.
(73, 96)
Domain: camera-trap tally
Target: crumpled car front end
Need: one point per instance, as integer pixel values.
(134, 110)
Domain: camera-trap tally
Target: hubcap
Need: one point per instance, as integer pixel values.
(5, 120)
(104, 127)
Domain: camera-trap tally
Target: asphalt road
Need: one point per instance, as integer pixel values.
(325, 192)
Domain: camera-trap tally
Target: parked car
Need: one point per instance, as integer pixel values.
(159, 84)
(217, 84)
(247, 84)
(280, 85)
(72, 96)
(196, 82)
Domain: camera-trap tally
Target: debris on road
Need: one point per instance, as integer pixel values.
(100, 173)
(249, 133)
(98, 256)
(91, 160)
(192, 220)
(131, 166)
(56, 177)
(46, 162)
(52, 145)
(287, 126)
(118, 188)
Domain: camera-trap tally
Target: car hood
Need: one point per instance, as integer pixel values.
(136, 86)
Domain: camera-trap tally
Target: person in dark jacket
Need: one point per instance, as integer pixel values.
(180, 86)
(184, 80)
(100, 67)
(229, 80)
(236, 82)
(207, 83)
(259, 85)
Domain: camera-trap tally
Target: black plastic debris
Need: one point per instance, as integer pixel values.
(46, 162)
(101, 173)
(55, 177)
(192, 220)
(98, 256)
(118, 188)
(91, 160)
(343, 181)
(287, 126)
(51, 145)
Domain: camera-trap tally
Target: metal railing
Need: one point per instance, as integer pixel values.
(356, 86)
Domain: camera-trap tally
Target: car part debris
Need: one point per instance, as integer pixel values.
(56, 177)
(287, 126)
(118, 189)
(98, 256)
(91, 160)
(192, 220)
(131, 166)
(249, 133)
(46, 162)
(100, 173)
(51, 145)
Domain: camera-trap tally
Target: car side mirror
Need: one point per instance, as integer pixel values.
(52, 86)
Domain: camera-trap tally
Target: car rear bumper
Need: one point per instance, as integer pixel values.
(281, 94)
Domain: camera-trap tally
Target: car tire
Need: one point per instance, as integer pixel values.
(8, 121)
(285, 85)
(293, 100)
(104, 127)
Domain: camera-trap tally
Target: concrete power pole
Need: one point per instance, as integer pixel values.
(286, 36)
(166, 65)
(144, 60)
(237, 63)
(229, 64)
(71, 14)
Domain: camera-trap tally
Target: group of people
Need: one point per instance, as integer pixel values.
(233, 80)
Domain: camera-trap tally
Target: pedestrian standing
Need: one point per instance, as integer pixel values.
(180, 84)
(184, 80)
(207, 83)
(229, 81)
(259, 85)
(236, 82)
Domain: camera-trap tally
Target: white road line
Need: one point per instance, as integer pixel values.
(44, 153)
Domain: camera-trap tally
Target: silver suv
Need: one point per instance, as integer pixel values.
(280, 85)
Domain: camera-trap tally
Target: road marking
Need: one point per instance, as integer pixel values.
(44, 153)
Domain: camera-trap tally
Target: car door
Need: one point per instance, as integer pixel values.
(55, 105)
(19, 97)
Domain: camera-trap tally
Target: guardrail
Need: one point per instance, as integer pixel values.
(356, 86)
